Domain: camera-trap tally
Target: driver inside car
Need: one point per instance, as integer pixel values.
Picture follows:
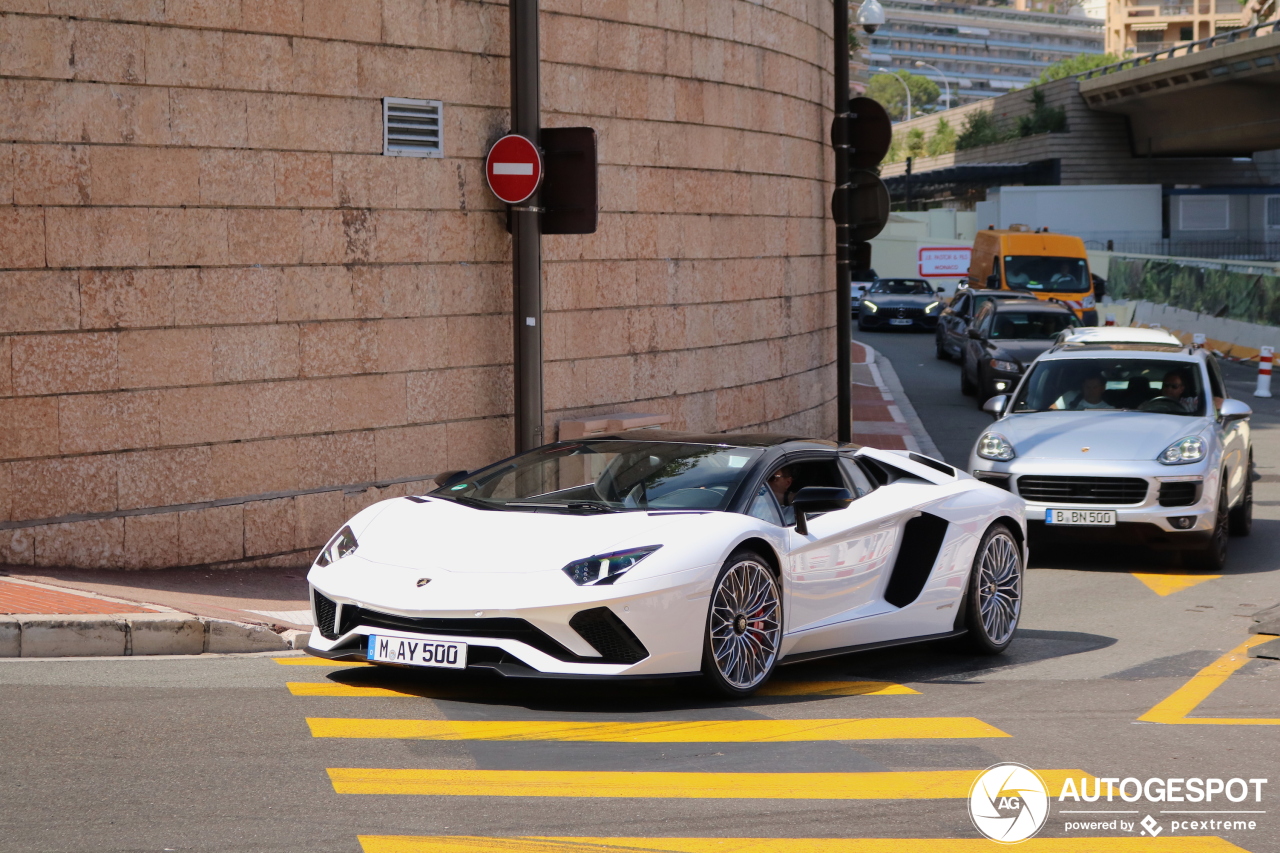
(779, 483)
(1178, 387)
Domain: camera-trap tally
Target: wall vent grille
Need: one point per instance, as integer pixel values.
(412, 128)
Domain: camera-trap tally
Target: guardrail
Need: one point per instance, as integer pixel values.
(1186, 48)
(1222, 250)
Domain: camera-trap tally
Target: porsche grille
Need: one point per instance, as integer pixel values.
(1106, 491)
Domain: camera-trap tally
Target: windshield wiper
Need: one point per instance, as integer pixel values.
(466, 501)
(593, 506)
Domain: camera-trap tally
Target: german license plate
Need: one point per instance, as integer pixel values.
(419, 651)
(1081, 517)
(900, 322)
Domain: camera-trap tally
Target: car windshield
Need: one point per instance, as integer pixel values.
(1031, 325)
(609, 476)
(1131, 384)
(1049, 274)
(901, 285)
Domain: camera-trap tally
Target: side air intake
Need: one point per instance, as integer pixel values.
(608, 635)
(921, 540)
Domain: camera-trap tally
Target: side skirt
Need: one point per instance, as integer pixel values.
(865, 647)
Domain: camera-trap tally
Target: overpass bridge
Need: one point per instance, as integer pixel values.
(1221, 100)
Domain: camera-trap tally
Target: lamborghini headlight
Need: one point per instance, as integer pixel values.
(995, 446)
(606, 568)
(343, 543)
(1184, 451)
(870, 306)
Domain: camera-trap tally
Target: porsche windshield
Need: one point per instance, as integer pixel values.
(1048, 274)
(609, 476)
(1144, 385)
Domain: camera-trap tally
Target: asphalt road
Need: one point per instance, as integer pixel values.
(250, 754)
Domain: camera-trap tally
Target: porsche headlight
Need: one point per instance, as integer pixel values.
(995, 446)
(870, 306)
(1004, 366)
(343, 543)
(931, 307)
(1184, 451)
(606, 568)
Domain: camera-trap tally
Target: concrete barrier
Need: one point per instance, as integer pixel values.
(171, 633)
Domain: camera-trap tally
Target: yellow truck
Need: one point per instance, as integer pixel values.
(1047, 266)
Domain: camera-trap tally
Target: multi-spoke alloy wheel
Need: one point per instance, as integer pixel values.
(744, 626)
(995, 591)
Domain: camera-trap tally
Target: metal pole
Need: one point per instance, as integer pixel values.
(920, 63)
(526, 233)
(894, 74)
(844, 301)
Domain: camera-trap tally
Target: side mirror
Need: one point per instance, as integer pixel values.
(1232, 410)
(448, 478)
(975, 334)
(818, 499)
(993, 282)
(1099, 288)
(996, 404)
(942, 290)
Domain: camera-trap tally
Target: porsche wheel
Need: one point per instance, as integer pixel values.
(1213, 556)
(744, 626)
(994, 601)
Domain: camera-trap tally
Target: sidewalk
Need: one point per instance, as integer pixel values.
(883, 417)
(76, 613)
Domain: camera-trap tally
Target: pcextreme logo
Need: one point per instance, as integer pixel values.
(1008, 803)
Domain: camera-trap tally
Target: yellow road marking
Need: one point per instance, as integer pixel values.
(672, 731)
(834, 688)
(1167, 584)
(1175, 709)
(782, 688)
(308, 660)
(911, 785)
(479, 844)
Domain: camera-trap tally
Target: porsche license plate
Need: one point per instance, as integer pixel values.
(898, 321)
(1080, 517)
(420, 651)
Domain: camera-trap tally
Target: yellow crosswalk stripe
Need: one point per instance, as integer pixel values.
(1174, 709)
(478, 844)
(783, 688)
(834, 688)
(1167, 583)
(667, 731)
(308, 660)
(908, 785)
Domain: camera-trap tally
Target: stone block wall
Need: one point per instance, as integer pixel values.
(227, 321)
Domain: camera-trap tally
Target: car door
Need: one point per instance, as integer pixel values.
(958, 323)
(834, 572)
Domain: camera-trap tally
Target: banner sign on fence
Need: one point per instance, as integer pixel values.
(944, 261)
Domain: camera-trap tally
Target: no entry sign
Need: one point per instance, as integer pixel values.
(513, 168)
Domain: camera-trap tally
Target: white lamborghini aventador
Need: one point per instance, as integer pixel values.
(673, 554)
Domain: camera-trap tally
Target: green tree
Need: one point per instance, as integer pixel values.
(981, 128)
(943, 140)
(1075, 65)
(1043, 118)
(889, 92)
(915, 142)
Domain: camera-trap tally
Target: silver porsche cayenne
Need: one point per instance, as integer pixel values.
(1125, 435)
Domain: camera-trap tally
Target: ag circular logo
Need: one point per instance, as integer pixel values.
(1008, 803)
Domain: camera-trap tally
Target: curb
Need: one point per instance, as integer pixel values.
(172, 633)
(887, 381)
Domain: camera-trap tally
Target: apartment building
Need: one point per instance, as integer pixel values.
(1147, 26)
(982, 51)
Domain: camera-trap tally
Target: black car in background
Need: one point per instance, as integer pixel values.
(905, 302)
(1004, 338)
(953, 322)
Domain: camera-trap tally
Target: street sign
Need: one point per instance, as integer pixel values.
(866, 204)
(868, 133)
(568, 199)
(944, 261)
(513, 168)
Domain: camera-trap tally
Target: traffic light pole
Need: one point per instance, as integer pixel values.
(526, 233)
(840, 141)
